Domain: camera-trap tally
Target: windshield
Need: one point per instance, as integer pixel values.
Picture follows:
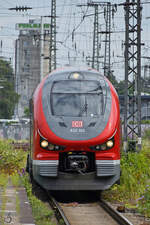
(77, 98)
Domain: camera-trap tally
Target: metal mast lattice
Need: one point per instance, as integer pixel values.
(107, 16)
(132, 112)
(95, 57)
(52, 50)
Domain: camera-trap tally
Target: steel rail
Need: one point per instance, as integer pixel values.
(58, 211)
(120, 219)
(114, 214)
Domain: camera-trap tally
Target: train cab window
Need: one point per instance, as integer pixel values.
(77, 98)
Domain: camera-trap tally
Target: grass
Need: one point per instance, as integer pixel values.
(11, 160)
(134, 190)
(41, 213)
(142, 122)
(3, 185)
(16, 180)
(3, 180)
(12, 164)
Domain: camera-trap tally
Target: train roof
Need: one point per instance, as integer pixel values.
(69, 69)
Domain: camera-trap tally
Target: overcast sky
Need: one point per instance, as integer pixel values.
(72, 46)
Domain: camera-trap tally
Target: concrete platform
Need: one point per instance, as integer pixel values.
(22, 216)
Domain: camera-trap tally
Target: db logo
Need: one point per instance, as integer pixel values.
(77, 123)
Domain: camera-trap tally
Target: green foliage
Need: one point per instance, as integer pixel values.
(41, 213)
(134, 189)
(3, 180)
(144, 202)
(8, 96)
(3, 205)
(113, 80)
(135, 173)
(11, 160)
(119, 86)
(146, 134)
(27, 112)
(16, 180)
(145, 121)
(17, 204)
(142, 122)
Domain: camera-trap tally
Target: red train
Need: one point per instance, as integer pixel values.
(75, 131)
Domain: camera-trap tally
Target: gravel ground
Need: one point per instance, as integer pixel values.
(131, 215)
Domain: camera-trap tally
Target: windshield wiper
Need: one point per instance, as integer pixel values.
(98, 90)
(84, 108)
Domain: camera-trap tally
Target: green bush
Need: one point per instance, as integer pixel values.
(142, 122)
(146, 134)
(134, 188)
(145, 121)
(135, 173)
(11, 160)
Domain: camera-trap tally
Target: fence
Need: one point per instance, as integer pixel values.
(17, 131)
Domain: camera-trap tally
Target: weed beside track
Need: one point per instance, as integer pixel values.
(12, 166)
(134, 189)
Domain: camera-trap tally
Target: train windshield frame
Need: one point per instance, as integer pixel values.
(77, 98)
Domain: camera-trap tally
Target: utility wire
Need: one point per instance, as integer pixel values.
(77, 25)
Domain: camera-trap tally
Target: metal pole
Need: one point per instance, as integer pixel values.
(41, 49)
(126, 105)
(95, 57)
(52, 54)
(139, 9)
(107, 40)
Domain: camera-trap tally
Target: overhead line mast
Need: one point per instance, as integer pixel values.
(52, 49)
(95, 57)
(107, 16)
(132, 112)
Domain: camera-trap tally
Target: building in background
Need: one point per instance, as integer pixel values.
(28, 61)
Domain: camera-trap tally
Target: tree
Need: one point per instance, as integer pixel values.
(27, 112)
(120, 88)
(113, 80)
(8, 96)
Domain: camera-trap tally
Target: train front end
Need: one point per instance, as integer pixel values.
(76, 132)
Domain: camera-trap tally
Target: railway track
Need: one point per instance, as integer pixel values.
(86, 213)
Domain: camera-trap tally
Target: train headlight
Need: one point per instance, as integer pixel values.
(98, 147)
(105, 146)
(110, 144)
(44, 144)
(57, 147)
(76, 76)
(51, 147)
